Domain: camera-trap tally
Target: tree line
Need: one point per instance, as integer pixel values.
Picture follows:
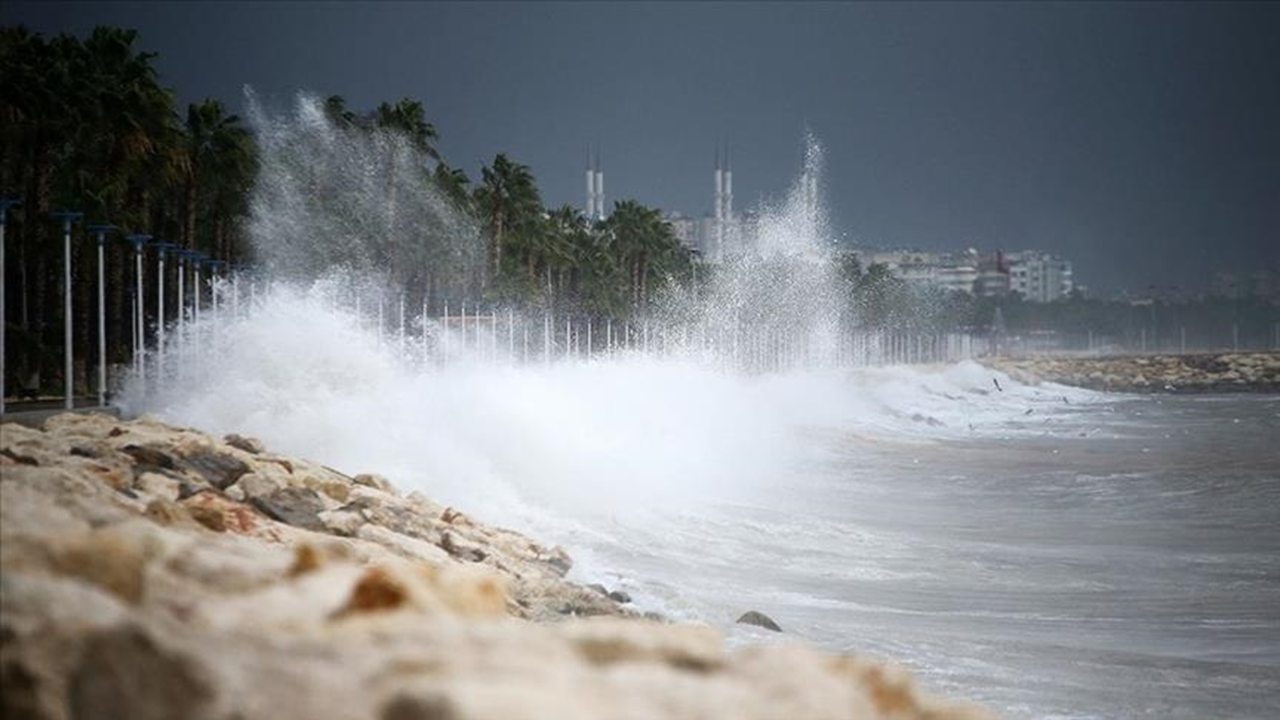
(86, 125)
(881, 300)
(533, 254)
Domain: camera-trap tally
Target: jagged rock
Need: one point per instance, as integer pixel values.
(1230, 372)
(209, 517)
(342, 521)
(619, 596)
(219, 469)
(20, 691)
(294, 506)
(114, 607)
(253, 446)
(374, 481)
(148, 458)
(221, 514)
(392, 516)
(559, 560)
(17, 458)
(403, 545)
(759, 619)
(376, 591)
(125, 673)
(114, 558)
(462, 551)
(416, 707)
(252, 485)
(337, 490)
(167, 512)
(158, 486)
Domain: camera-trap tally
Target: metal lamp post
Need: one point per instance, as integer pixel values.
(100, 231)
(214, 267)
(161, 247)
(197, 259)
(5, 204)
(182, 295)
(67, 219)
(140, 341)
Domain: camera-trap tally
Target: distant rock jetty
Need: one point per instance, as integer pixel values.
(150, 571)
(1201, 373)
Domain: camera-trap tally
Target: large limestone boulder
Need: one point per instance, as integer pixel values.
(149, 571)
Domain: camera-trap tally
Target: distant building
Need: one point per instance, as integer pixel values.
(949, 271)
(993, 276)
(1262, 283)
(594, 204)
(719, 237)
(686, 229)
(1039, 277)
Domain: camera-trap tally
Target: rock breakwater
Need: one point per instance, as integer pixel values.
(149, 571)
(1201, 373)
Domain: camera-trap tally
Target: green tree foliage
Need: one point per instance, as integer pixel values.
(646, 248)
(86, 125)
(510, 208)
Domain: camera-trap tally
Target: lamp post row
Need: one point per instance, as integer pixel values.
(100, 232)
(5, 204)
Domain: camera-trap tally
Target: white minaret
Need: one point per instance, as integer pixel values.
(590, 208)
(719, 205)
(728, 235)
(599, 187)
(728, 186)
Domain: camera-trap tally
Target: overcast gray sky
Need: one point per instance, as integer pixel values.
(1141, 140)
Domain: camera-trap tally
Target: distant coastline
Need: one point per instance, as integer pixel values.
(1229, 372)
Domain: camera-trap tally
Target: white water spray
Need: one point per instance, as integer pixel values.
(662, 415)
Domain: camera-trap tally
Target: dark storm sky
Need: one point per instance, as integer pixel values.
(1141, 140)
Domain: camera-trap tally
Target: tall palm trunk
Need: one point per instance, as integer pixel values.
(495, 244)
(190, 194)
(642, 273)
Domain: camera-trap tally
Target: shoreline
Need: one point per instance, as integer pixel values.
(1191, 373)
(154, 571)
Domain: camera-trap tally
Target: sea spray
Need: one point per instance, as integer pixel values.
(331, 196)
(347, 223)
(590, 437)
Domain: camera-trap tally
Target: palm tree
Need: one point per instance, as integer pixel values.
(335, 108)
(220, 164)
(453, 182)
(646, 245)
(506, 199)
(85, 125)
(407, 117)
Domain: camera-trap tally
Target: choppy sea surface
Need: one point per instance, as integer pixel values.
(1116, 557)
(1052, 552)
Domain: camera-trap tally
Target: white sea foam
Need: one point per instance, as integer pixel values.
(977, 528)
(601, 436)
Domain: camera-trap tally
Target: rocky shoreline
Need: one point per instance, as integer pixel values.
(149, 571)
(1195, 373)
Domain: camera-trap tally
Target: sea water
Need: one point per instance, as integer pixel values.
(1052, 552)
(1049, 551)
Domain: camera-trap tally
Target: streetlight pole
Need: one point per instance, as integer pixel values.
(101, 232)
(5, 204)
(214, 267)
(67, 219)
(197, 259)
(140, 341)
(161, 247)
(182, 298)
